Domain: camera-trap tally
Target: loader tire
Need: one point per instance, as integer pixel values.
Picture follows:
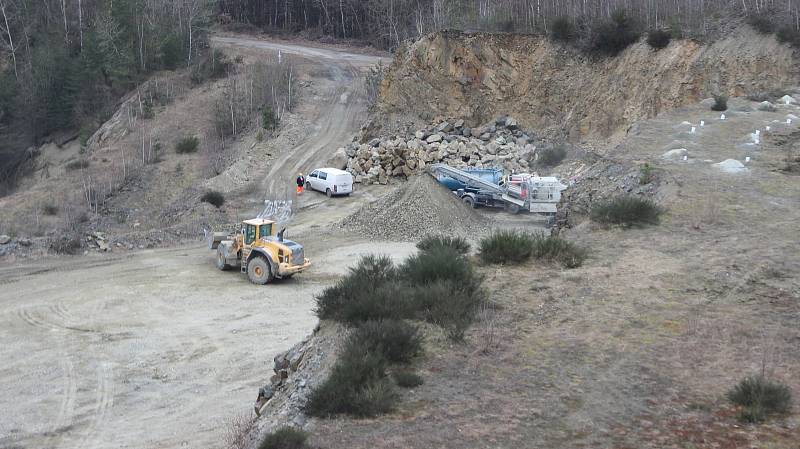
(469, 201)
(258, 270)
(512, 208)
(221, 265)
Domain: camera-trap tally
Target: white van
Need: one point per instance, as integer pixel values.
(332, 181)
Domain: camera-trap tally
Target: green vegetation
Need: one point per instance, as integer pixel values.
(552, 156)
(516, 247)
(610, 37)
(378, 298)
(627, 211)
(646, 174)
(269, 120)
(760, 397)
(217, 199)
(720, 103)
(761, 23)
(213, 66)
(186, 145)
(659, 39)
(562, 29)
(50, 209)
(285, 438)
(436, 242)
(407, 379)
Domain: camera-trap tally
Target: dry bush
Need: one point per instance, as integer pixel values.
(760, 397)
(237, 431)
(487, 316)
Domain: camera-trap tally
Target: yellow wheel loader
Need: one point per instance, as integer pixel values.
(260, 251)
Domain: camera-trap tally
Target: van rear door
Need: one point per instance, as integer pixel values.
(343, 183)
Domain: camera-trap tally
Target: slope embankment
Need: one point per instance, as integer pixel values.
(555, 88)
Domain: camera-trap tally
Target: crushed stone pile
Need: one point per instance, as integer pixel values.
(418, 208)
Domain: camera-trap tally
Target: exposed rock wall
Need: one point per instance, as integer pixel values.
(558, 90)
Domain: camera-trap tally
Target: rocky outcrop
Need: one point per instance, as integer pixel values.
(499, 143)
(557, 90)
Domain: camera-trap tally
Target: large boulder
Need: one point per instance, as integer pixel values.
(339, 159)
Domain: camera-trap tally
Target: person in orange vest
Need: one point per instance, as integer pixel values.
(301, 182)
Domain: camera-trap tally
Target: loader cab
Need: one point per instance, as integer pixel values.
(256, 229)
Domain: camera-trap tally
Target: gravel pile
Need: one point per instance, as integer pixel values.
(418, 208)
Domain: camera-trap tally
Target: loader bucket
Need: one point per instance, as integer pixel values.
(215, 237)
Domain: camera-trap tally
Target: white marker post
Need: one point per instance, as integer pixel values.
(693, 129)
(768, 128)
(788, 121)
(722, 117)
(685, 158)
(702, 123)
(747, 159)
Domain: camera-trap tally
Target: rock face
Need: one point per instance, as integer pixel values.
(501, 144)
(553, 88)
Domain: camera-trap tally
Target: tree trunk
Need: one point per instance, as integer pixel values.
(10, 40)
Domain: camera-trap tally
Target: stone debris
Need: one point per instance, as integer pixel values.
(676, 154)
(731, 166)
(418, 208)
(767, 106)
(4, 239)
(501, 143)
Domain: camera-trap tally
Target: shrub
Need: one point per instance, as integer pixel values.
(627, 211)
(369, 291)
(399, 342)
(761, 23)
(646, 174)
(269, 120)
(430, 266)
(449, 305)
(171, 52)
(213, 66)
(434, 243)
(66, 244)
(77, 165)
(407, 379)
(506, 247)
(285, 438)
(356, 386)
(214, 198)
(658, 39)
(550, 157)
(187, 145)
(562, 29)
(788, 35)
(760, 397)
(50, 209)
(611, 37)
(720, 103)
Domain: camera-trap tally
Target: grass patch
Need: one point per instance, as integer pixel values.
(720, 103)
(627, 211)
(432, 243)
(658, 39)
(285, 438)
(187, 145)
(407, 379)
(550, 157)
(760, 397)
(217, 199)
(77, 165)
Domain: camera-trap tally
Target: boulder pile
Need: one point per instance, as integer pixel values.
(501, 143)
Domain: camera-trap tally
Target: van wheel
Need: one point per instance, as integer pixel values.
(469, 201)
(258, 270)
(328, 192)
(308, 186)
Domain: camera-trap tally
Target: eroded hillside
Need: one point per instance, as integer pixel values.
(552, 87)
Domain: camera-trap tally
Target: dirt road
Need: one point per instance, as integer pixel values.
(157, 349)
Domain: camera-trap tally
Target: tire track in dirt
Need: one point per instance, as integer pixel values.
(104, 400)
(66, 410)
